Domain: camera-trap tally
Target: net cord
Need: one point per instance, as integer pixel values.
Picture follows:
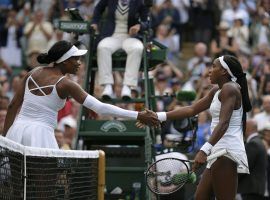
(45, 152)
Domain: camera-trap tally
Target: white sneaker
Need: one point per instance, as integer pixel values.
(126, 93)
(107, 92)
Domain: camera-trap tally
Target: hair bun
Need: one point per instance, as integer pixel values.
(44, 58)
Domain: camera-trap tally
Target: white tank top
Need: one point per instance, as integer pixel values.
(41, 109)
(233, 137)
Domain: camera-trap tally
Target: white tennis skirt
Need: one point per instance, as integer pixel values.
(33, 134)
(239, 158)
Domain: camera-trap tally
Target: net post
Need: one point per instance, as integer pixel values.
(101, 175)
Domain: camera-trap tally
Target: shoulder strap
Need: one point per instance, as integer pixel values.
(37, 86)
(60, 79)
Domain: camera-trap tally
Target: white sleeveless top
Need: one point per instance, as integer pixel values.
(232, 140)
(34, 126)
(43, 109)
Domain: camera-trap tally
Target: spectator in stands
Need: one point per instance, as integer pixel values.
(240, 32)
(197, 64)
(10, 48)
(252, 186)
(56, 11)
(124, 20)
(204, 131)
(168, 39)
(223, 44)
(260, 31)
(5, 69)
(169, 15)
(59, 136)
(266, 140)
(5, 86)
(86, 9)
(202, 18)
(38, 32)
(252, 83)
(264, 116)
(265, 78)
(228, 15)
(68, 126)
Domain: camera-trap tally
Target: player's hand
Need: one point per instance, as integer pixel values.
(140, 124)
(199, 160)
(148, 117)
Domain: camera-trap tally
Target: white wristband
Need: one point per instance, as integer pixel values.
(162, 116)
(206, 148)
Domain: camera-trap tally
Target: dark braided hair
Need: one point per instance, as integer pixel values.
(237, 71)
(55, 52)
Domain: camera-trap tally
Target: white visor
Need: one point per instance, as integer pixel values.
(73, 51)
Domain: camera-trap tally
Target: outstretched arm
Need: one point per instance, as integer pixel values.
(73, 89)
(189, 111)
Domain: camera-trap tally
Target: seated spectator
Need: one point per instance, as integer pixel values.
(68, 125)
(38, 32)
(59, 135)
(5, 69)
(223, 44)
(240, 32)
(123, 22)
(264, 116)
(260, 31)
(229, 14)
(10, 49)
(197, 64)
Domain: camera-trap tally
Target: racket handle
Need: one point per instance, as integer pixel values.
(217, 154)
(178, 179)
(213, 156)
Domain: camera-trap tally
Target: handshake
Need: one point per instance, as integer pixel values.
(148, 118)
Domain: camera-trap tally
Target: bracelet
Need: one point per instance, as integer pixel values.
(206, 148)
(162, 116)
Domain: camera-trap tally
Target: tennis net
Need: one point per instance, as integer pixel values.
(38, 173)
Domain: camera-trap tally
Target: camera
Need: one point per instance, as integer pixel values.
(182, 132)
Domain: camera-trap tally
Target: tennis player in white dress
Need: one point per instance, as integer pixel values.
(228, 103)
(43, 93)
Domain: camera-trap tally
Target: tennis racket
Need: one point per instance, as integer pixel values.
(168, 175)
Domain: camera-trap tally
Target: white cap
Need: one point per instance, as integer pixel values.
(239, 15)
(73, 51)
(68, 121)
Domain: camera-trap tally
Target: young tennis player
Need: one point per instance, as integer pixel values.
(228, 103)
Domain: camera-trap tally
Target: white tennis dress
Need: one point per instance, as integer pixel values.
(232, 140)
(34, 126)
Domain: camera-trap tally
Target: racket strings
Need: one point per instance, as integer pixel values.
(167, 176)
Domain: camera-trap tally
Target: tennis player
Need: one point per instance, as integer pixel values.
(228, 103)
(43, 93)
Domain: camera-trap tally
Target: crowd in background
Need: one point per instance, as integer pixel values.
(236, 27)
(213, 27)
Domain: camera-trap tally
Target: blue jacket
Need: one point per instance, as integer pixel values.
(137, 14)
